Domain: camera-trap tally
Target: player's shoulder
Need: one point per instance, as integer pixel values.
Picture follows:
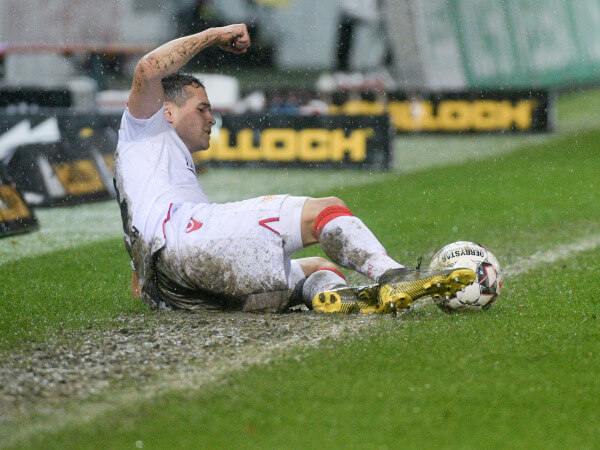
(133, 128)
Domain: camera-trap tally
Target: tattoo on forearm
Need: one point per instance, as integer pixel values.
(174, 54)
(183, 52)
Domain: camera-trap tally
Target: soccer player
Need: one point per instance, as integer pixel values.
(189, 253)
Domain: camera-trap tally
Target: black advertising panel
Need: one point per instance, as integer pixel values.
(15, 214)
(55, 174)
(64, 158)
(246, 139)
(501, 111)
(59, 158)
(300, 141)
(32, 96)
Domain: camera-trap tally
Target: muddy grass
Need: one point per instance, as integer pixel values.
(144, 355)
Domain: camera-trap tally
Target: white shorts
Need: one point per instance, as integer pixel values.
(233, 249)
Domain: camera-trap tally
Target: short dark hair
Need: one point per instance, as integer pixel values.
(174, 87)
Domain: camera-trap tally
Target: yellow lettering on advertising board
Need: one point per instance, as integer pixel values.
(12, 206)
(224, 150)
(315, 145)
(286, 144)
(249, 152)
(411, 116)
(279, 144)
(521, 113)
(454, 115)
(487, 116)
(79, 177)
(451, 115)
(354, 145)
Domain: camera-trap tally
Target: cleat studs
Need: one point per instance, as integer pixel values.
(456, 279)
(439, 284)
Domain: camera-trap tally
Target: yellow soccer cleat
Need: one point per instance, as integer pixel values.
(400, 287)
(348, 300)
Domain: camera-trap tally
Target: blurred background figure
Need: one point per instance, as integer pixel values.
(352, 13)
(193, 16)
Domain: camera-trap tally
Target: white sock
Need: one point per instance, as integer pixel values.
(349, 243)
(320, 281)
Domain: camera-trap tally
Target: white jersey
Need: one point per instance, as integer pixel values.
(153, 169)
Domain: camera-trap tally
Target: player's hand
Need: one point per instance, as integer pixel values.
(233, 38)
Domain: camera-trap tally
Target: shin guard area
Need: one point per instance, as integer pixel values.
(327, 215)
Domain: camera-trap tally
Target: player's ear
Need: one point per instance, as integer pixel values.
(168, 112)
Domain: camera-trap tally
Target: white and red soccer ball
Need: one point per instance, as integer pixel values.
(469, 255)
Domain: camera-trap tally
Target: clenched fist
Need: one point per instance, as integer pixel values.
(233, 38)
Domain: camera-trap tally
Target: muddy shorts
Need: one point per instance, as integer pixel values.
(230, 251)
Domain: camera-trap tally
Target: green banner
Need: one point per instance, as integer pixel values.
(524, 43)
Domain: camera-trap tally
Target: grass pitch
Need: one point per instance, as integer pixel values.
(521, 374)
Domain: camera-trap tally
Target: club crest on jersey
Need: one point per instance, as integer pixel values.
(266, 198)
(193, 225)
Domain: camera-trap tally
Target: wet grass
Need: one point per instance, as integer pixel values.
(523, 374)
(68, 289)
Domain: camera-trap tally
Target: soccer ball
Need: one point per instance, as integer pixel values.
(469, 255)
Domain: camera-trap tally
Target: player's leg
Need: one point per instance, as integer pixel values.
(324, 289)
(349, 243)
(320, 275)
(240, 250)
(344, 237)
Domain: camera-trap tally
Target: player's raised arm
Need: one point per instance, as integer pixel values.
(147, 95)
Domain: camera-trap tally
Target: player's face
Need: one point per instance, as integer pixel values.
(194, 120)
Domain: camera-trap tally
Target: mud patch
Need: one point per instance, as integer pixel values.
(145, 355)
(337, 244)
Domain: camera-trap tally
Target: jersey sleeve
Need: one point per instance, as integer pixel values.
(133, 129)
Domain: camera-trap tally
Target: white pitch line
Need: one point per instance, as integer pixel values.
(527, 263)
(557, 253)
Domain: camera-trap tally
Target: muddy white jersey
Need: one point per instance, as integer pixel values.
(153, 169)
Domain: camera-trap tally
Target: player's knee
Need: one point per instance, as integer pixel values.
(312, 264)
(332, 201)
(316, 208)
(322, 263)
